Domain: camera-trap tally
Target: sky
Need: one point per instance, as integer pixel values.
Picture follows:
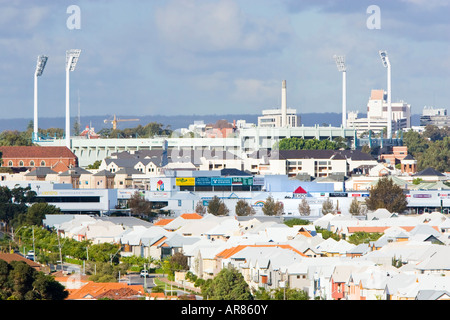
(184, 57)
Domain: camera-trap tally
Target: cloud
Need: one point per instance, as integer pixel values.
(198, 32)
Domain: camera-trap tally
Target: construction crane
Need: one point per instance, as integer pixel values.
(115, 120)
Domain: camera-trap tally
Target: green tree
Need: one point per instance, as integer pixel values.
(15, 138)
(272, 208)
(296, 222)
(95, 165)
(244, 209)
(386, 194)
(364, 237)
(37, 212)
(228, 284)
(21, 282)
(290, 294)
(217, 207)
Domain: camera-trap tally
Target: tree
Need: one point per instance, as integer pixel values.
(37, 212)
(327, 206)
(272, 208)
(18, 281)
(290, 294)
(228, 284)
(244, 209)
(95, 165)
(296, 222)
(217, 207)
(179, 261)
(139, 205)
(200, 208)
(303, 208)
(386, 194)
(363, 237)
(355, 207)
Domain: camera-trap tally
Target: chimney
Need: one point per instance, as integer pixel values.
(283, 104)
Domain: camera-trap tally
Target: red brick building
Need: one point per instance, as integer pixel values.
(28, 157)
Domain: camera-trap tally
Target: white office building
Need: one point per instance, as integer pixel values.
(377, 115)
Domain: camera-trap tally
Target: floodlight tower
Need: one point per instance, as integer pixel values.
(340, 63)
(40, 66)
(387, 64)
(71, 61)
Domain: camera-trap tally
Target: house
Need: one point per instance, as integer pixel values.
(74, 176)
(112, 290)
(430, 175)
(9, 257)
(26, 157)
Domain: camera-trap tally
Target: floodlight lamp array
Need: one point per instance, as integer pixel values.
(72, 58)
(384, 58)
(340, 63)
(41, 62)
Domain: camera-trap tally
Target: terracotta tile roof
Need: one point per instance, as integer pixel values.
(162, 222)
(120, 294)
(92, 290)
(60, 167)
(191, 216)
(8, 257)
(227, 253)
(157, 243)
(36, 152)
(367, 229)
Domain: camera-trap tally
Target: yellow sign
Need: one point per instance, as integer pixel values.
(185, 181)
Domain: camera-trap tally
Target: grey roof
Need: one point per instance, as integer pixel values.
(77, 171)
(356, 155)
(128, 171)
(362, 248)
(126, 221)
(408, 157)
(428, 172)
(431, 294)
(104, 173)
(40, 171)
(128, 162)
(308, 154)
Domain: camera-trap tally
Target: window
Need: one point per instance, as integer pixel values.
(42, 163)
(20, 163)
(31, 163)
(10, 163)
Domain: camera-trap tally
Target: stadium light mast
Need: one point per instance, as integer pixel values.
(387, 64)
(340, 63)
(40, 66)
(71, 62)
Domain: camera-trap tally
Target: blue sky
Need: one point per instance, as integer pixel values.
(220, 56)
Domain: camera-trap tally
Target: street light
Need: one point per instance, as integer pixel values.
(40, 66)
(340, 63)
(71, 62)
(387, 64)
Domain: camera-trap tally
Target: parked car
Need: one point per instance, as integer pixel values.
(144, 273)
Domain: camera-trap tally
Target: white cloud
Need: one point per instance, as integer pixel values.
(216, 26)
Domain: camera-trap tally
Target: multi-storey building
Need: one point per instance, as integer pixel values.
(377, 115)
(436, 117)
